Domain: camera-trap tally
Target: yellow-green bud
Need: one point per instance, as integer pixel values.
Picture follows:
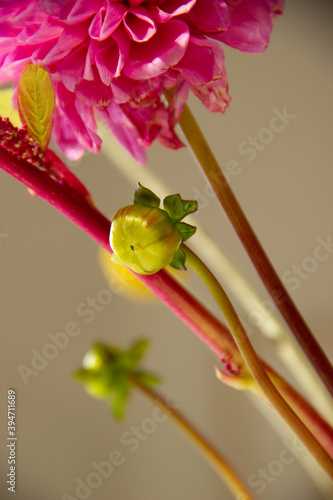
(144, 238)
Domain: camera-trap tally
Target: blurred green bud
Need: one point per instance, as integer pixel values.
(109, 373)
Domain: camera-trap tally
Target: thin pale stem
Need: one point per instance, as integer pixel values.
(211, 454)
(255, 366)
(267, 273)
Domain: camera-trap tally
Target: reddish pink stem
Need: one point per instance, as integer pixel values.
(321, 429)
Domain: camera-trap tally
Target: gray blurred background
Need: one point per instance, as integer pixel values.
(49, 267)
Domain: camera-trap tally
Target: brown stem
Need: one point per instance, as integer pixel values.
(267, 273)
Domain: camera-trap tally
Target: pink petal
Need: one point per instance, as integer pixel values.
(8, 43)
(65, 137)
(179, 97)
(108, 56)
(162, 51)
(86, 114)
(8, 31)
(139, 26)
(152, 121)
(251, 26)
(27, 33)
(26, 13)
(107, 60)
(88, 72)
(94, 93)
(168, 9)
(211, 57)
(209, 19)
(81, 121)
(71, 37)
(106, 21)
(144, 118)
(134, 3)
(124, 131)
(40, 33)
(125, 89)
(79, 11)
(53, 7)
(71, 67)
(276, 6)
(40, 52)
(167, 136)
(124, 48)
(14, 62)
(9, 11)
(214, 95)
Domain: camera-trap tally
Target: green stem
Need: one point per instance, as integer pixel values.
(255, 366)
(213, 457)
(274, 285)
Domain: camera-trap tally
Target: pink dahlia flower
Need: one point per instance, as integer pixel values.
(114, 59)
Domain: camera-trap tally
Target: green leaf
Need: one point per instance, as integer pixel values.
(35, 100)
(119, 400)
(177, 208)
(143, 196)
(138, 350)
(173, 205)
(190, 206)
(178, 262)
(186, 230)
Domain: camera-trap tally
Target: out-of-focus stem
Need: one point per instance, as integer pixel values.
(205, 246)
(274, 285)
(211, 454)
(255, 365)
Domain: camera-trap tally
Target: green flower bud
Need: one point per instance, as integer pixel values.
(144, 238)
